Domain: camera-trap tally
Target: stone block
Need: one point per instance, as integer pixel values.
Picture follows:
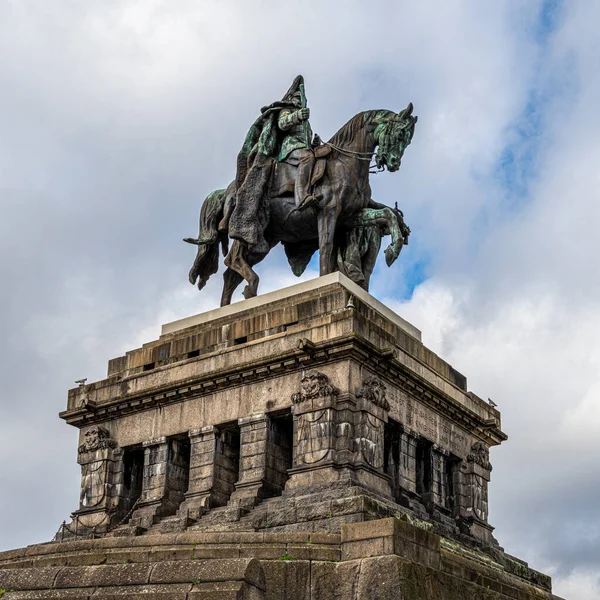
(287, 579)
(75, 594)
(264, 551)
(102, 575)
(286, 537)
(120, 556)
(234, 569)
(380, 578)
(309, 510)
(143, 592)
(210, 551)
(28, 579)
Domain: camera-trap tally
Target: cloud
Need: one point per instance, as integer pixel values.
(118, 118)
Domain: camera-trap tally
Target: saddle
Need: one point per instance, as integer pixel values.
(284, 173)
(321, 153)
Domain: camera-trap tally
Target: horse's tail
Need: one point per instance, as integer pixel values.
(209, 237)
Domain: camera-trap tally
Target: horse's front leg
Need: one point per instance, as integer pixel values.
(393, 228)
(327, 220)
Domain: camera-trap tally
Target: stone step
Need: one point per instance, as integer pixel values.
(225, 579)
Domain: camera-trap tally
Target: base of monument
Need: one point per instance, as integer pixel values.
(385, 559)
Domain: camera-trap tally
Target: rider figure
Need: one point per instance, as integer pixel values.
(281, 134)
(298, 143)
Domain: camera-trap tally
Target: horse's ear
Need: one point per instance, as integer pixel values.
(415, 119)
(403, 114)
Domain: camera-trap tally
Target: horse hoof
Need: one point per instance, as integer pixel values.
(390, 256)
(249, 292)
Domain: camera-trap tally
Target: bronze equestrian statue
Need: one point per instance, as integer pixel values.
(309, 195)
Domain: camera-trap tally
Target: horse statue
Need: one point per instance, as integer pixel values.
(345, 225)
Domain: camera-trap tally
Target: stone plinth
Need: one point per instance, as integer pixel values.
(388, 559)
(241, 443)
(306, 408)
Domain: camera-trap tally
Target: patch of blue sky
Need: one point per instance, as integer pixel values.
(550, 17)
(517, 164)
(403, 277)
(529, 138)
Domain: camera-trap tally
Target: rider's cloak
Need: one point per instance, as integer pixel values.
(255, 163)
(254, 168)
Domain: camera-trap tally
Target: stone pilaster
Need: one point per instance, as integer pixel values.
(164, 481)
(200, 495)
(101, 462)
(314, 432)
(372, 415)
(473, 493)
(250, 486)
(279, 454)
(441, 502)
(407, 471)
(439, 495)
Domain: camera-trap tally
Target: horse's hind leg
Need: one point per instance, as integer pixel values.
(231, 280)
(240, 261)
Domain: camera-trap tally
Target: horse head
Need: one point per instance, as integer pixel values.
(394, 132)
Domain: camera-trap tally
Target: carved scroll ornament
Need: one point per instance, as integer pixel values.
(480, 455)
(314, 384)
(374, 389)
(96, 438)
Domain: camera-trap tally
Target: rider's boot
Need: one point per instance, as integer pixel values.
(304, 199)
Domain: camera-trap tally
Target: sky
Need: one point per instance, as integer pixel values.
(117, 117)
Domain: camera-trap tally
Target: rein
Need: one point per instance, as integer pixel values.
(366, 156)
(351, 153)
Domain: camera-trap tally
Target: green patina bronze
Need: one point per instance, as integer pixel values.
(291, 187)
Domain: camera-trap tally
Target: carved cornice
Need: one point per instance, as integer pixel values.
(314, 384)
(374, 390)
(349, 346)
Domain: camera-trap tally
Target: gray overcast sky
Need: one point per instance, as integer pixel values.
(118, 117)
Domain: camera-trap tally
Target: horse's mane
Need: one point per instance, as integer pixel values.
(346, 134)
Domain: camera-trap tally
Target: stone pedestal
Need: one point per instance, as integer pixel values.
(303, 409)
(273, 423)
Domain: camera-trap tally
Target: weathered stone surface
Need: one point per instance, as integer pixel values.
(102, 576)
(241, 569)
(306, 446)
(28, 579)
(379, 559)
(287, 579)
